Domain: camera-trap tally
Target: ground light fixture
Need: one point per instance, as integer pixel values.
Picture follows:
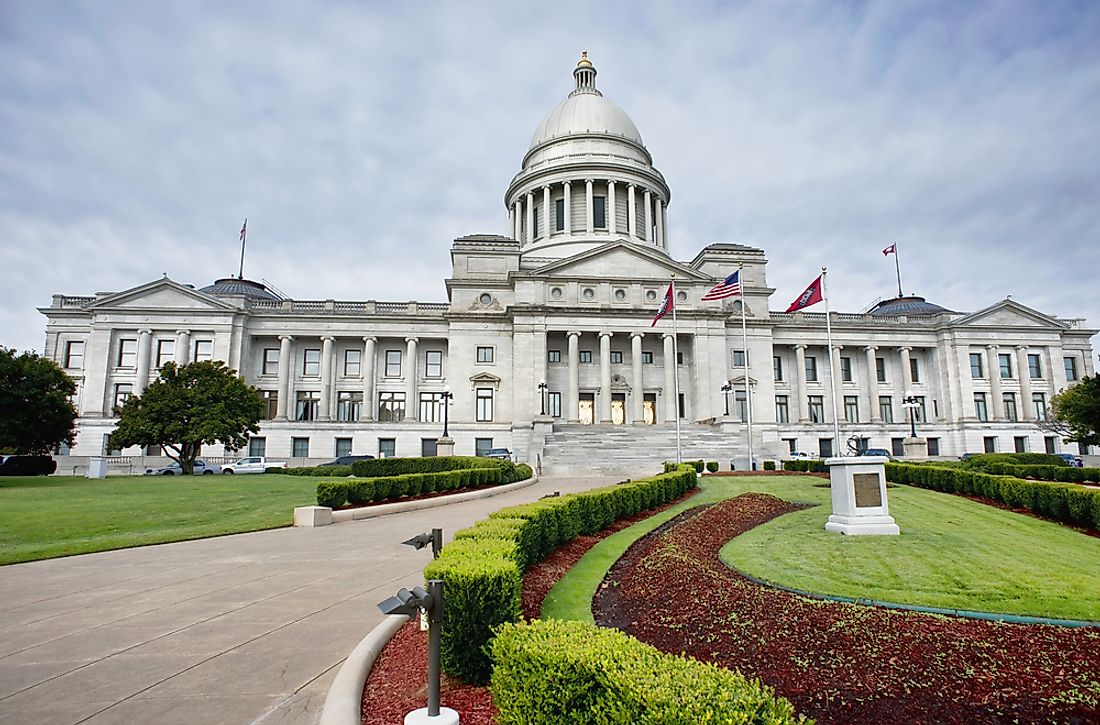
(433, 537)
(411, 604)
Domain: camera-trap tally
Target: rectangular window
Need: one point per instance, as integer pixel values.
(811, 369)
(166, 352)
(914, 369)
(311, 362)
(307, 405)
(431, 407)
(553, 404)
(817, 409)
(933, 446)
(585, 356)
(559, 215)
(299, 447)
(782, 409)
(599, 212)
(1005, 363)
(1020, 444)
(343, 447)
(616, 357)
(387, 447)
(738, 358)
(74, 354)
(271, 361)
(886, 408)
(535, 221)
(825, 447)
(484, 405)
(741, 406)
(989, 444)
(391, 407)
(1071, 368)
(123, 391)
(851, 408)
(484, 354)
(977, 369)
(1034, 367)
(647, 357)
(981, 410)
(880, 369)
(349, 406)
(482, 446)
(792, 444)
(429, 447)
(846, 369)
(1010, 406)
(433, 363)
(257, 447)
(897, 447)
(920, 411)
(271, 403)
(679, 358)
(393, 363)
(1039, 406)
(353, 363)
(127, 353)
(204, 350)
(777, 368)
(682, 405)
(553, 356)
(1051, 444)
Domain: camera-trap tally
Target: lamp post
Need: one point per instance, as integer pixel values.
(542, 396)
(726, 389)
(447, 396)
(911, 403)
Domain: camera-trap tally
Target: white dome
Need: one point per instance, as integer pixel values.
(586, 113)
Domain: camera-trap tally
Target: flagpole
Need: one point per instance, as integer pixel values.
(676, 374)
(897, 266)
(244, 237)
(832, 367)
(745, 346)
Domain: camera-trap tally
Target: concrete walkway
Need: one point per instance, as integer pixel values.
(248, 628)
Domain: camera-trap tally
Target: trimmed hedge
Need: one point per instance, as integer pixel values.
(712, 466)
(554, 671)
(984, 461)
(327, 471)
(483, 580)
(805, 464)
(1063, 502)
(358, 491)
(769, 465)
(375, 467)
(1064, 474)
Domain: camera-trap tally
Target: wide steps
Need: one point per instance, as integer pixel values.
(630, 450)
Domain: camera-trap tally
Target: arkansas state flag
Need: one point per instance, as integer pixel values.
(666, 305)
(811, 296)
(892, 249)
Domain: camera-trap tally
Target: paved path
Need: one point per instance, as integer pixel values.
(248, 628)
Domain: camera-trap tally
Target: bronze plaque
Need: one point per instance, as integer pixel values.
(868, 490)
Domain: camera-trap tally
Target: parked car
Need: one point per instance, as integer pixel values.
(27, 465)
(501, 453)
(173, 469)
(799, 454)
(1072, 459)
(876, 452)
(251, 464)
(347, 460)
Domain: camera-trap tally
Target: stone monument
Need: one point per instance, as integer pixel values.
(859, 497)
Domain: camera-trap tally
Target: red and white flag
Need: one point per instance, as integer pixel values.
(892, 249)
(811, 296)
(666, 306)
(244, 228)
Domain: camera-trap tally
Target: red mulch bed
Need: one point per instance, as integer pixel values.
(843, 663)
(397, 683)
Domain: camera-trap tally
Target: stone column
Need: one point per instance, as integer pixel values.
(530, 237)
(611, 226)
(605, 377)
(412, 405)
(800, 376)
(1025, 409)
(672, 405)
(145, 341)
(517, 229)
(648, 215)
(588, 205)
(1056, 368)
(286, 363)
(546, 226)
(574, 392)
(658, 214)
(367, 411)
(566, 202)
(325, 405)
(637, 412)
(663, 221)
(997, 405)
(183, 347)
(872, 384)
(631, 211)
(512, 219)
(838, 392)
(905, 383)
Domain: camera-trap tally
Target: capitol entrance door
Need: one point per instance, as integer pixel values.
(618, 408)
(587, 408)
(649, 408)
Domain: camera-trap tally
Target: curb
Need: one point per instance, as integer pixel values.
(345, 697)
(370, 512)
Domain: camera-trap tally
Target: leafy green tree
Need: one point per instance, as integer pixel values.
(36, 411)
(1077, 410)
(204, 402)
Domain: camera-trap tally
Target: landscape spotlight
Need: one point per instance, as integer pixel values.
(433, 537)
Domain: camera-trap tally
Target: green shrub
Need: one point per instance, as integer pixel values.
(769, 465)
(712, 466)
(523, 472)
(333, 494)
(985, 460)
(555, 671)
(359, 491)
(699, 465)
(430, 464)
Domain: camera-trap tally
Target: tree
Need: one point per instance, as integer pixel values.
(1075, 412)
(204, 402)
(36, 409)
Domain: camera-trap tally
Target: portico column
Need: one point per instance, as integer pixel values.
(905, 382)
(1026, 409)
(605, 377)
(658, 214)
(145, 341)
(800, 376)
(574, 400)
(183, 347)
(326, 379)
(517, 230)
(611, 207)
(588, 205)
(512, 219)
(412, 405)
(872, 384)
(672, 405)
(530, 237)
(566, 203)
(997, 404)
(546, 212)
(285, 364)
(663, 221)
(637, 412)
(366, 413)
(631, 211)
(648, 215)
(836, 400)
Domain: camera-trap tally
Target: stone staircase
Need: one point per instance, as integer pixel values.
(632, 450)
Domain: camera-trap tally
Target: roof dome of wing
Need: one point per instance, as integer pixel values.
(239, 287)
(906, 305)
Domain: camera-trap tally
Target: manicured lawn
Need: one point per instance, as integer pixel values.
(952, 553)
(44, 517)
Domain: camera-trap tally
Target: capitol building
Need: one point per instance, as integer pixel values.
(547, 343)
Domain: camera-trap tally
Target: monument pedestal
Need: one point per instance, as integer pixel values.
(859, 497)
(445, 446)
(915, 448)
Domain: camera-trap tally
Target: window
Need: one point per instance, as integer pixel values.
(311, 362)
(343, 447)
(484, 354)
(483, 405)
(74, 354)
(349, 406)
(482, 446)
(846, 369)
(981, 410)
(271, 403)
(741, 406)
(825, 447)
(1034, 367)
(977, 369)
(299, 447)
(553, 356)
(1071, 368)
(535, 221)
(777, 368)
(1010, 406)
(811, 369)
(738, 358)
(204, 350)
(851, 408)
(127, 353)
(886, 408)
(599, 212)
(989, 444)
(1020, 444)
(933, 446)
(1005, 363)
(897, 447)
(123, 391)
(166, 351)
(353, 363)
(817, 409)
(647, 357)
(585, 356)
(1039, 405)
(431, 407)
(559, 215)
(429, 447)
(679, 358)
(920, 412)
(307, 405)
(393, 363)
(271, 361)
(914, 369)
(391, 407)
(433, 363)
(880, 369)
(616, 357)
(553, 404)
(681, 405)
(792, 444)
(1051, 444)
(257, 447)
(782, 409)
(387, 447)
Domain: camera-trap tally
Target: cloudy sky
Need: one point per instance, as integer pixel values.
(360, 138)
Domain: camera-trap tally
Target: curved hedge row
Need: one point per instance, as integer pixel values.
(482, 568)
(983, 461)
(358, 491)
(553, 671)
(1064, 502)
(374, 467)
(1064, 474)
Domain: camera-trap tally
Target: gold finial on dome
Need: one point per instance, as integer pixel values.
(584, 62)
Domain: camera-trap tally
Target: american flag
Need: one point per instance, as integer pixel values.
(728, 287)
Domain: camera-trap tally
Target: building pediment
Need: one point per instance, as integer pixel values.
(620, 259)
(485, 379)
(163, 294)
(1008, 313)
